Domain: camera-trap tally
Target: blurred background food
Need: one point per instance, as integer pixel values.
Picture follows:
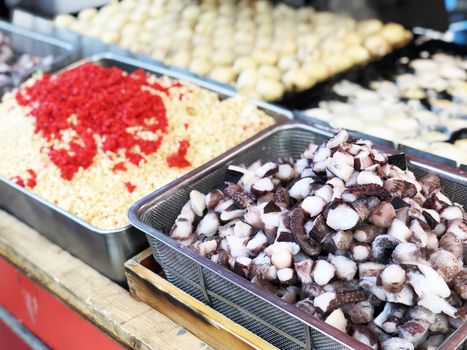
(263, 49)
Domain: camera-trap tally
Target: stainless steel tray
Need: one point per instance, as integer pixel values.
(266, 315)
(26, 41)
(104, 250)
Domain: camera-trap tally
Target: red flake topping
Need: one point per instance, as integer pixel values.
(178, 159)
(31, 182)
(130, 187)
(119, 167)
(186, 125)
(104, 102)
(18, 180)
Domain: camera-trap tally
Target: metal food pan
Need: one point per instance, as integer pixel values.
(103, 249)
(263, 313)
(24, 41)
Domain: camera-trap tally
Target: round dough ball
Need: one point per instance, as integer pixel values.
(242, 63)
(138, 16)
(358, 54)
(87, 15)
(269, 72)
(99, 20)
(79, 27)
(202, 52)
(204, 28)
(247, 79)
(127, 5)
(201, 40)
(297, 80)
(167, 29)
(223, 74)
(433, 136)
(368, 27)
(222, 58)
(265, 56)
(285, 47)
(111, 8)
(244, 13)
(376, 45)
(263, 7)
(324, 18)
(448, 150)
(109, 37)
(243, 50)
(224, 21)
(191, 13)
(156, 11)
(226, 9)
(461, 144)
(245, 26)
(151, 24)
(395, 34)
(265, 30)
(224, 33)
(223, 45)
(159, 54)
(333, 46)
(337, 63)
(304, 28)
(207, 16)
(183, 34)
(263, 43)
(288, 62)
(146, 37)
(132, 30)
(242, 37)
(95, 32)
(137, 47)
(305, 13)
(180, 59)
(200, 66)
(143, 6)
(64, 20)
(269, 89)
(162, 42)
(118, 22)
(316, 70)
(352, 38)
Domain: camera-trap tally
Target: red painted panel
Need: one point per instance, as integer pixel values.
(57, 325)
(10, 340)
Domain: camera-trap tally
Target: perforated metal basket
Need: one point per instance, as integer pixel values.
(282, 324)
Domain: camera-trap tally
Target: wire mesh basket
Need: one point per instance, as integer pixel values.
(265, 314)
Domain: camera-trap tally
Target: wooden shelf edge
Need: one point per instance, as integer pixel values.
(209, 325)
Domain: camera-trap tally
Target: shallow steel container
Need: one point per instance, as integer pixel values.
(104, 250)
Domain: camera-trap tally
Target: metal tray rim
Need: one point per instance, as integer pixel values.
(35, 36)
(137, 208)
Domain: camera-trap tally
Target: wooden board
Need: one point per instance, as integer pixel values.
(214, 328)
(99, 300)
